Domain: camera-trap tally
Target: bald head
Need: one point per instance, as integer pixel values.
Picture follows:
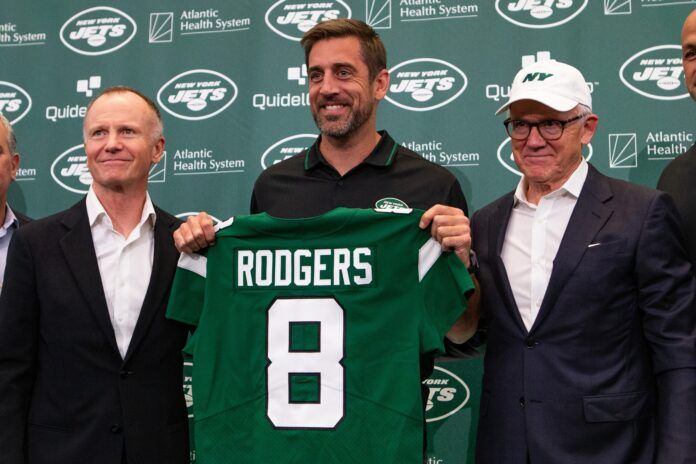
(688, 40)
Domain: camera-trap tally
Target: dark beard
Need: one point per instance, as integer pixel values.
(354, 121)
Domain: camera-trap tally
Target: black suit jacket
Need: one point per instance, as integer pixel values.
(66, 395)
(607, 372)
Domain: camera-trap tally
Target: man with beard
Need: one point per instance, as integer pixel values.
(352, 164)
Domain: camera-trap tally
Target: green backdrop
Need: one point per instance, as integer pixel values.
(229, 76)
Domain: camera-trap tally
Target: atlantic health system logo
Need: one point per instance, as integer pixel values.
(539, 14)
(424, 84)
(656, 73)
(97, 31)
(291, 19)
(15, 102)
(197, 94)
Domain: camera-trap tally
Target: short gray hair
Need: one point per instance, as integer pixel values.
(11, 137)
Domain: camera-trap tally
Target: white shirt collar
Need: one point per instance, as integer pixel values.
(573, 185)
(10, 218)
(96, 212)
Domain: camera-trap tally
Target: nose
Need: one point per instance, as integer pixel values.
(329, 84)
(535, 139)
(113, 143)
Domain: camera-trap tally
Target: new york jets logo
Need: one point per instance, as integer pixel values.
(197, 94)
(15, 102)
(506, 158)
(390, 204)
(97, 31)
(447, 394)
(285, 148)
(188, 387)
(423, 84)
(291, 19)
(539, 14)
(70, 171)
(656, 73)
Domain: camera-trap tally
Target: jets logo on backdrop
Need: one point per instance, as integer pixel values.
(97, 31)
(423, 84)
(197, 94)
(188, 387)
(291, 19)
(285, 148)
(656, 73)
(447, 394)
(70, 170)
(15, 102)
(508, 161)
(539, 14)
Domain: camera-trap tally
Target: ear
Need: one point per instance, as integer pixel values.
(14, 160)
(157, 150)
(589, 128)
(381, 84)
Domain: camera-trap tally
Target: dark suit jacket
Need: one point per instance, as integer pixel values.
(616, 326)
(679, 180)
(66, 395)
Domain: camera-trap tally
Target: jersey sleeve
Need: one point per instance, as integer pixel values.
(444, 284)
(187, 297)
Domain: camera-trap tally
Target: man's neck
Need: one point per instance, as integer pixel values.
(344, 154)
(125, 208)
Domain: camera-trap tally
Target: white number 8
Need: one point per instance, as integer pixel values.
(325, 363)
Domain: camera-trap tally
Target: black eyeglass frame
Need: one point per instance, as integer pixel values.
(539, 126)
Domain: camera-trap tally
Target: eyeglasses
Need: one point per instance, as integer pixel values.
(551, 129)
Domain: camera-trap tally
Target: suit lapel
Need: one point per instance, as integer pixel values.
(497, 230)
(78, 249)
(163, 266)
(590, 214)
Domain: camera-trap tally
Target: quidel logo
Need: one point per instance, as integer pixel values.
(97, 31)
(15, 102)
(448, 394)
(197, 94)
(655, 72)
(539, 14)
(291, 19)
(423, 84)
(507, 159)
(70, 170)
(285, 148)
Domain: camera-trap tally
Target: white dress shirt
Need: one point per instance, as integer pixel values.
(6, 231)
(532, 239)
(125, 265)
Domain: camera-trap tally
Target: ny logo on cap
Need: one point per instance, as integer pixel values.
(536, 77)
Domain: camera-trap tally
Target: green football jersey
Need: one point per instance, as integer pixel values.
(309, 333)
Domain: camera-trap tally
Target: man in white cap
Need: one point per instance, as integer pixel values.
(589, 298)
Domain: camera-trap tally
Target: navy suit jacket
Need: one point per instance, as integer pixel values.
(66, 395)
(607, 373)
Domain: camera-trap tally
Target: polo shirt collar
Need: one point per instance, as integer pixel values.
(382, 155)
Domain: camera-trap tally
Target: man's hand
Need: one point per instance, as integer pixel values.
(450, 227)
(195, 234)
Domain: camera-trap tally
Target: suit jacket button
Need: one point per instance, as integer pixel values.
(116, 428)
(124, 373)
(522, 401)
(530, 342)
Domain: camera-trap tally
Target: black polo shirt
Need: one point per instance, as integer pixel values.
(307, 185)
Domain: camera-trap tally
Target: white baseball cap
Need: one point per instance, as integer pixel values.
(552, 83)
